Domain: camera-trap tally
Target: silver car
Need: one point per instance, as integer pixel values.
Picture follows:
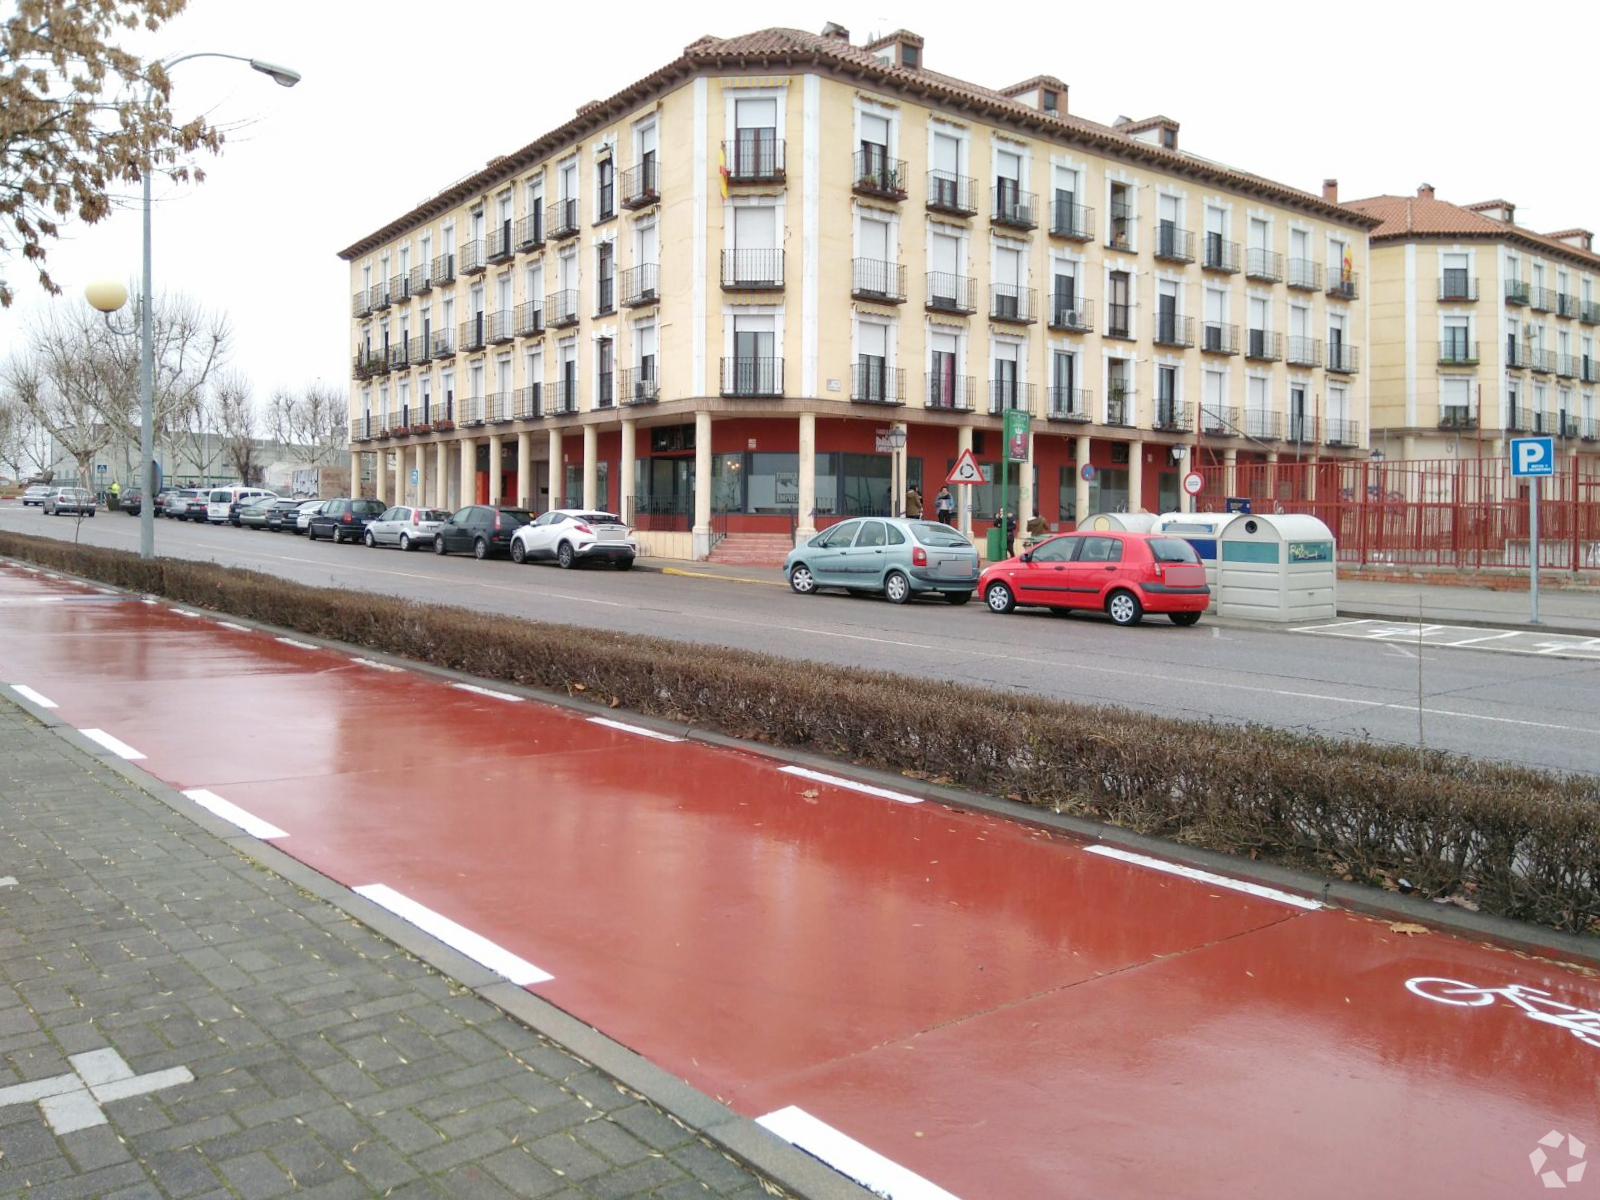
(302, 518)
(405, 526)
(36, 494)
(69, 500)
(899, 558)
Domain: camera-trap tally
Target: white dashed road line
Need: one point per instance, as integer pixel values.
(483, 691)
(475, 946)
(27, 693)
(841, 782)
(1206, 877)
(120, 749)
(879, 1175)
(626, 728)
(234, 815)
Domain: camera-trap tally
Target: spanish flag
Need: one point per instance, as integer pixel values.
(722, 169)
(1348, 266)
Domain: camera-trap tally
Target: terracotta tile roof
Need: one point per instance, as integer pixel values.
(1559, 234)
(1154, 122)
(1037, 81)
(1407, 217)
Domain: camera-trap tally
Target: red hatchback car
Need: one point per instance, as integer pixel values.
(1124, 575)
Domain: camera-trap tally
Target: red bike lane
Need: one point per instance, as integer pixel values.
(997, 1011)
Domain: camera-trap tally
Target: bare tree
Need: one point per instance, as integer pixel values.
(67, 377)
(315, 419)
(239, 424)
(24, 443)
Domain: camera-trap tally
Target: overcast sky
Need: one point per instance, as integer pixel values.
(400, 98)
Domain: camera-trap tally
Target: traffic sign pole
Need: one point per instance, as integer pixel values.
(1533, 458)
(1533, 540)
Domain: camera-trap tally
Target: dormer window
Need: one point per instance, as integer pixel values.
(910, 56)
(1047, 101)
(1169, 138)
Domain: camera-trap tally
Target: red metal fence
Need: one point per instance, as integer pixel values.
(1427, 512)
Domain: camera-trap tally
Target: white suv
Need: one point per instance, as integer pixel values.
(220, 503)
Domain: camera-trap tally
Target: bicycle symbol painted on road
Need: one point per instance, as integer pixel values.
(1582, 1023)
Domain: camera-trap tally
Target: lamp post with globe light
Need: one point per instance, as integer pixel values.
(108, 296)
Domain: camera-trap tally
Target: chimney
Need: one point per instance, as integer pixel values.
(1425, 192)
(1330, 190)
(834, 30)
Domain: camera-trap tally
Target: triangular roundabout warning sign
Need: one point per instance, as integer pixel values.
(966, 470)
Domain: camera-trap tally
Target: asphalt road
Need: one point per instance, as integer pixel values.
(1536, 711)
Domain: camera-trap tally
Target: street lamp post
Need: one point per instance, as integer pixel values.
(107, 300)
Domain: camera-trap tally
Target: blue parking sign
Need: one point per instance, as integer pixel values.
(1533, 456)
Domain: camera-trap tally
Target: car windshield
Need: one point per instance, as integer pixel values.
(1173, 550)
(931, 533)
(598, 518)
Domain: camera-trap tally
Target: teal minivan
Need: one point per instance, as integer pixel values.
(899, 558)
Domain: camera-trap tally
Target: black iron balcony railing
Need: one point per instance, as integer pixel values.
(1542, 299)
(640, 185)
(361, 429)
(380, 296)
(605, 201)
(471, 334)
(1119, 321)
(1008, 393)
(561, 398)
(361, 303)
(1071, 405)
(1458, 416)
(752, 270)
(1304, 352)
(1589, 429)
(1589, 313)
(1343, 359)
(1516, 291)
(1173, 330)
(1589, 369)
(1305, 275)
(561, 308)
(471, 411)
(1566, 305)
(1519, 420)
(1457, 287)
(400, 288)
(878, 281)
(873, 382)
(950, 393)
(1264, 425)
(754, 156)
(501, 326)
(530, 319)
(497, 407)
(1217, 337)
(1567, 366)
(1566, 427)
(1341, 431)
(1219, 420)
(951, 193)
(876, 174)
(1458, 353)
(561, 218)
(1119, 234)
(951, 293)
(439, 344)
(605, 295)
(1264, 264)
(444, 269)
(392, 424)
(638, 385)
(752, 377)
(1343, 285)
(1542, 361)
(530, 232)
(1263, 345)
(470, 257)
(1013, 305)
(605, 389)
(1219, 254)
(397, 355)
(368, 363)
(640, 285)
(528, 403)
(1172, 416)
(1122, 404)
(1519, 355)
(421, 280)
(1075, 222)
(1012, 207)
(1073, 314)
(417, 349)
(500, 243)
(1174, 244)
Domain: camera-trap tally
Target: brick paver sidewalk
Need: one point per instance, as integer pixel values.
(176, 1020)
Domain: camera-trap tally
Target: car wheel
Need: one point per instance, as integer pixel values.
(405, 541)
(480, 548)
(338, 536)
(91, 516)
(999, 598)
(624, 564)
(372, 542)
(958, 597)
(896, 588)
(311, 533)
(1124, 608)
(801, 579)
(1188, 618)
(439, 546)
(518, 554)
(565, 558)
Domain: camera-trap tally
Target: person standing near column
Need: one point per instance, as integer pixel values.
(944, 505)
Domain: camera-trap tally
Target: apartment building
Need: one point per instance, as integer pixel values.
(703, 300)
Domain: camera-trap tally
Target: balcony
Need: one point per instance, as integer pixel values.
(417, 350)
(754, 156)
(1219, 420)
(1219, 254)
(1172, 417)
(605, 293)
(392, 426)
(1013, 305)
(1542, 361)
(1119, 321)
(1122, 404)
(361, 303)
(471, 334)
(400, 288)
(1263, 425)
(878, 175)
(1566, 427)
(752, 377)
(500, 244)
(529, 319)
(639, 285)
(1516, 291)
(1012, 208)
(444, 269)
(1340, 431)
(752, 270)
(950, 393)
(1589, 429)
(1343, 359)
(361, 429)
(1589, 369)
(872, 382)
(1120, 235)
(1457, 287)
(1075, 222)
(1518, 356)
(1070, 405)
(1266, 265)
(877, 281)
(1519, 420)
(605, 395)
(1174, 244)
(1344, 285)
(368, 363)
(470, 258)
(1567, 366)
(497, 407)
(561, 219)
(471, 412)
(562, 400)
(1589, 313)
(439, 344)
(530, 232)
(528, 403)
(561, 309)
(1305, 275)
(501, 326)
(638, 385)
(956, 195)
(379, 296)
(1173, 330)
(1542, 299)
(1304, 352)
(421, 281)
(1219, 338)
(1008, 393)
(1458, 417)
(1566, 305)
(1458, 354)
(1071, 314)
(640, 185)
(951, 293)
(1263, 345)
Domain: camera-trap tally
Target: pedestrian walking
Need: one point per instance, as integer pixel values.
(913, 503)
(944, 506)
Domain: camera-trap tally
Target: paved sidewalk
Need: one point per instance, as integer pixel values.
(176, 1020)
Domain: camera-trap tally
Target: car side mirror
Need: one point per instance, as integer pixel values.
(1027, 556)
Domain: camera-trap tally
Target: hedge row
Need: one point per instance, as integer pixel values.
(1522, 843)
